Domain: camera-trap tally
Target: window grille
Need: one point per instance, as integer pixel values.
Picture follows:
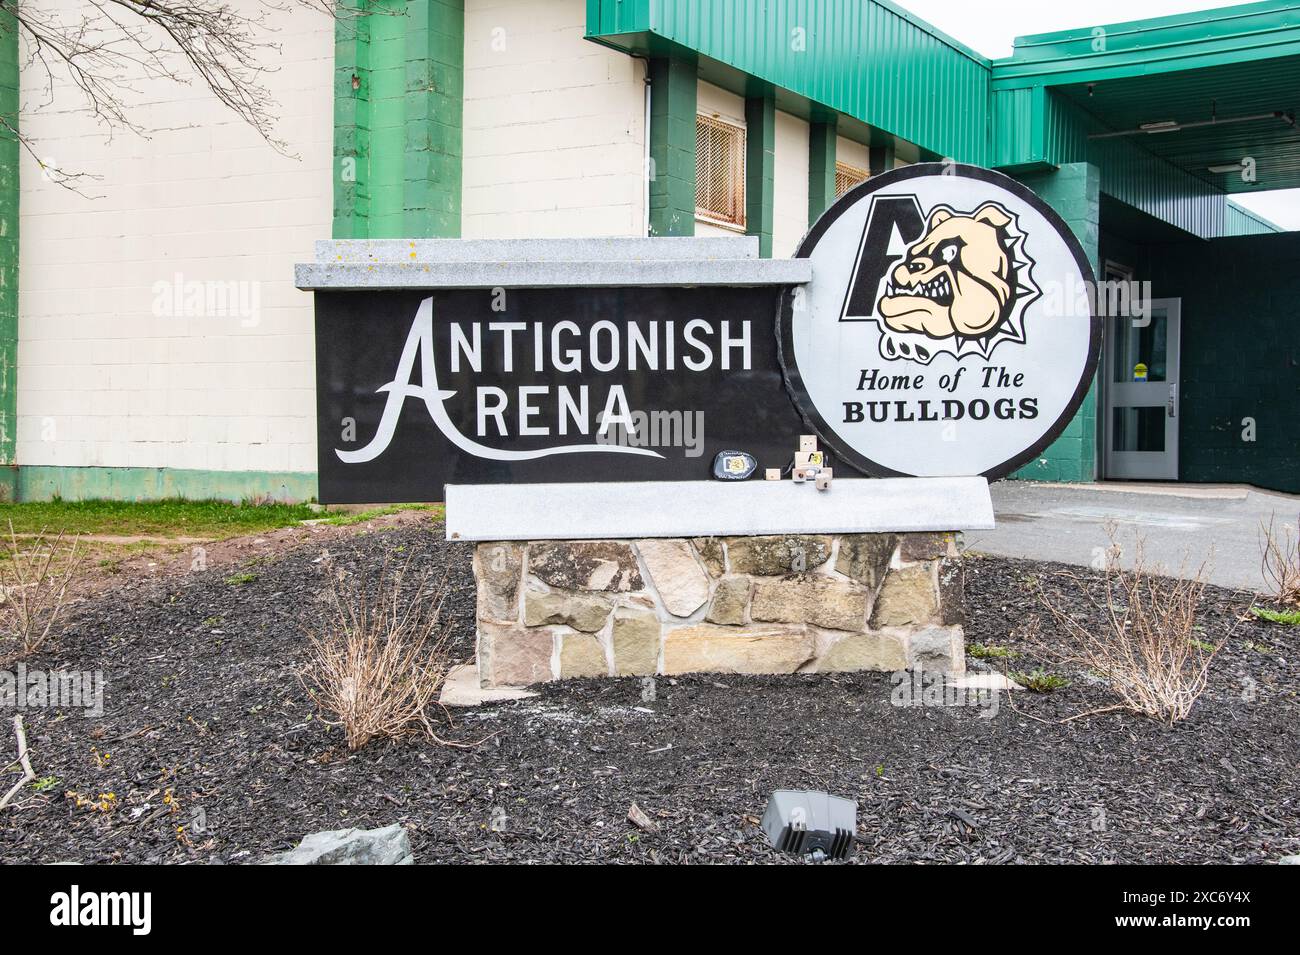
(846, 177)
(719, 171)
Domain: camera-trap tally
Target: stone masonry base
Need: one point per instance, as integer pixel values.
(783, 604)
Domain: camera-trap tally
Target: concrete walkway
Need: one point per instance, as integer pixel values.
(1182, 525)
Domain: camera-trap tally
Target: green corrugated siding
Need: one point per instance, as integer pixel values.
(867, 59)
(1239, 221)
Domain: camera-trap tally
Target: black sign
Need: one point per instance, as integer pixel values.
(416, 390)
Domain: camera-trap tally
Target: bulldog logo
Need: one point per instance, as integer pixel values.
(960, 287)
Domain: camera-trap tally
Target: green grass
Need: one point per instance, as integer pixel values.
(981, 651)
(346, 520)
(1291, 617)
(172, 518)
(1040, 681)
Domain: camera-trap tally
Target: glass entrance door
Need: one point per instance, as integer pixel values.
(1141, 414)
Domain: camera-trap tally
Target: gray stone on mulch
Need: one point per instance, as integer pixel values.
(202, 700)
(386, 846)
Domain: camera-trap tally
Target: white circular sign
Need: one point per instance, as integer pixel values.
(948, 328)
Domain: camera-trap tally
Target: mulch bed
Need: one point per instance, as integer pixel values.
(202, 700)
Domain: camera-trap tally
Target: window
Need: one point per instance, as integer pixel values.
(846, 177)
(719, 171)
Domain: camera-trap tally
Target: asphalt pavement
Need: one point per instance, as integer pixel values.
(1181, 525)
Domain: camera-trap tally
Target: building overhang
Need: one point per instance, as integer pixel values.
(1212, 93)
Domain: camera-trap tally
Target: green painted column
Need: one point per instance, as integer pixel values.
(435, 92)
(880, 159)
(398, 106)
(351, 121)
(673, 86)
(821, 168)
(1074, 191)
(9, 155)
(760, 169)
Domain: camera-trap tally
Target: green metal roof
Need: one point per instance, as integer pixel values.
(867, 59)
(1058, 99)
(1205, 38)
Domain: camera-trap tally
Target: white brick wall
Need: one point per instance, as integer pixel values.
(554, 125)
(103, 378)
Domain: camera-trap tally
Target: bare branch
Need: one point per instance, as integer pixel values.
(105, 46)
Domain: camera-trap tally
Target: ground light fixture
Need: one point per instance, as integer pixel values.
(815, 825)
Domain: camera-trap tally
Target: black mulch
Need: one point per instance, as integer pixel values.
(202, 700)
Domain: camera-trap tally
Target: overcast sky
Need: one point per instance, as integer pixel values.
(990, 26)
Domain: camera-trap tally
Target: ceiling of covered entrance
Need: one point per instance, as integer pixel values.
(1215, 93)
(1233, 126)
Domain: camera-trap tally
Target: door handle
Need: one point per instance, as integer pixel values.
(1173, 400)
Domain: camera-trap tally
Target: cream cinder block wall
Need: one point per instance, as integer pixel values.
(115, 368)
(852, 153)
(554, 126)
(790, 188)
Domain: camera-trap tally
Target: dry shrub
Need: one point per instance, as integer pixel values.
(1139, 635)
(1280, 563)
(378, 661)
(34, 581)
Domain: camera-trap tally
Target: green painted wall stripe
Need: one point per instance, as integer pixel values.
(821, 168)
(403, 124)
(435, 95)
(9, 193)
(673, 88)
(351, 121)
(44, 483)
(1074, 191)
(760, 170)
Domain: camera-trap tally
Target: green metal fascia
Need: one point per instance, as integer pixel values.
(866, 59)
(1189, 41)
(9, 195)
